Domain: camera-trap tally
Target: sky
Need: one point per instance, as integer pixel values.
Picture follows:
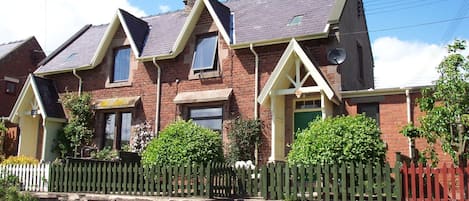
(408, 36)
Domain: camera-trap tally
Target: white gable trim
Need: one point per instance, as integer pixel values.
(191, 22)
(30, 83)
(100, 53)
(292, 49)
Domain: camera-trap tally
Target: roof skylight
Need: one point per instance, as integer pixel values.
(296, 20)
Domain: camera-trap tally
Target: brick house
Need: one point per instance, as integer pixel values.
(17, 60)
(210, 62)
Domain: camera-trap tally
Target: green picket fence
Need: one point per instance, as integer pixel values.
(274, 181)
(133, 179)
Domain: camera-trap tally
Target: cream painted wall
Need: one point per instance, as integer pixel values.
(51, 130)
(28, 135)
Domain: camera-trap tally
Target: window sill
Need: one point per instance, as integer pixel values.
(118, 84)
(211, 74)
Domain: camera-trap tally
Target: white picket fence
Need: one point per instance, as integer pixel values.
(33, 178)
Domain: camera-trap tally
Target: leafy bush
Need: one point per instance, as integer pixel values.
(338, 139)
(184, 142)
(12, 160)
(3, 127)
(105, 154)
(78, 132)
(244, 135)
(10, 190)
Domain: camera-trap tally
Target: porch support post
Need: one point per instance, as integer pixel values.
(323, 105)
(274, 116)
(278, 128)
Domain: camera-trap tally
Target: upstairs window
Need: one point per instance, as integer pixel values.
(10, 87)
(211, 117)
(205, 53)
(121, 65)
(370, 110)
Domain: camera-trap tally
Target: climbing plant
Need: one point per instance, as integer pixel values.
(78, 131)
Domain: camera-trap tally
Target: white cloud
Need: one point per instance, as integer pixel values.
(54, 21)
(404, 63)
(164, 8)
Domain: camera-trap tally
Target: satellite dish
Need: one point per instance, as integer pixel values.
(336, 56)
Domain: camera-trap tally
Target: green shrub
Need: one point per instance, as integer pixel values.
(106, 153)
(12, 160)
(339, 139)
(244, 134)
(10, 190)
(184, 142)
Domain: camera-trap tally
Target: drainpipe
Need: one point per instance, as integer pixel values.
(409, 120)
(80, 81)
(158, 94)
(256, 80)
(256, 89)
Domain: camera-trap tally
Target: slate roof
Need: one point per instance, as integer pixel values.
(49, 97)
(138, 29)
(6, 48)
(254, 21)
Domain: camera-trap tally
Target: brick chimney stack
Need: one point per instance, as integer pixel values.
(189, 4)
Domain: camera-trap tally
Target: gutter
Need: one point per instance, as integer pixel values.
(80, 81)
(158, 94)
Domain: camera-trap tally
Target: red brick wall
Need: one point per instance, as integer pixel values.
(393, 117)
(18, 64)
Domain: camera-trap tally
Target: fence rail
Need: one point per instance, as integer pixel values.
(33, 178)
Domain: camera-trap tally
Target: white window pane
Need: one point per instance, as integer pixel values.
(122, 65)
(206, 112)
(126, 128)
(204, 55)
(109, 130)
(215, 124)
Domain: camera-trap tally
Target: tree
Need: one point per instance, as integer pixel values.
(447, 107)
(244, 135)
(340, 139)
(182, 143)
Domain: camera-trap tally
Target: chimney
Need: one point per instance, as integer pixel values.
(189, 4)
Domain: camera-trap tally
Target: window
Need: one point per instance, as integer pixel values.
(205, 53)
(370, 110)
(207, 117)
(121, 65)
(10, 87)
(360, 63)
(117, 130)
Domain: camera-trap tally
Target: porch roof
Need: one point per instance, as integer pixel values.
(295, 50)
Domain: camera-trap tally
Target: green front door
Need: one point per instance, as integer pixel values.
(302, 119)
